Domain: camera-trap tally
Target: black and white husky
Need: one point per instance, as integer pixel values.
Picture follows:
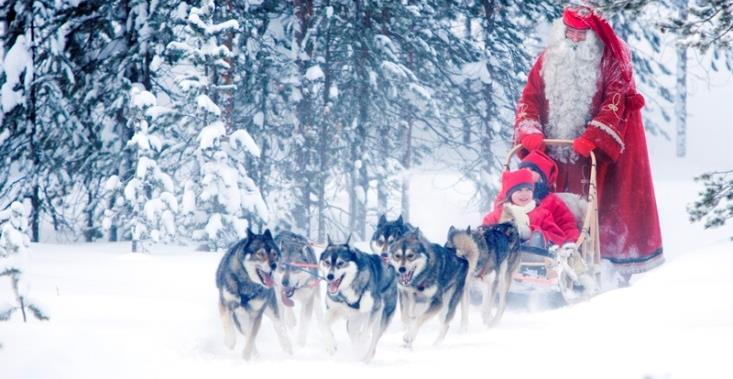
(297, 280)
(361, 289)
(386, 233)
(493, 258)
(432, 279)
(244, 280)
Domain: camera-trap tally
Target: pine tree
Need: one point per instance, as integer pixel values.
(35, 117)
(715, 204)
(14, 248)
(218, 193)
(150, 202)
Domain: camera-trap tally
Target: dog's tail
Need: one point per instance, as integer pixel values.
(467, 249)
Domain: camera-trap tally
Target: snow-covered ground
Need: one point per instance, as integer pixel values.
(120, 315)
(123, 315)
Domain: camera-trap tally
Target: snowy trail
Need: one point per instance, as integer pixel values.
(122, 315)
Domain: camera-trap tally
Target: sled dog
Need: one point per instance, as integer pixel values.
(361, 289)
(432, 279)
(297, 280)
(493, 258)
(386, 233)
(244, 280)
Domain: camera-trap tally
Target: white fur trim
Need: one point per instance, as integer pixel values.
(529, 126)
(616, 137)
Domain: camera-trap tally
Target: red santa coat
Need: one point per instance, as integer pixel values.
(540, 220)
(629, 225)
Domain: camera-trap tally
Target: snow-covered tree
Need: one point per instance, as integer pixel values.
(218, 194)
(715, 204)
(36, 118)
(147, 205)
(14, 248)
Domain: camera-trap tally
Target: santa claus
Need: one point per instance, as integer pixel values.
(582, 88)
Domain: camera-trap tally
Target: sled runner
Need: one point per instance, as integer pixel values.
(574, 273)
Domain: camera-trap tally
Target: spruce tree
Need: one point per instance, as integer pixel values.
(218, 194)
(14, 249)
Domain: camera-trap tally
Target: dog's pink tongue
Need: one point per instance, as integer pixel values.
(288, 302)
(333, 286)
(267, 280)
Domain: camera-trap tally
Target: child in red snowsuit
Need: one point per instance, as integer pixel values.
(545, 174)
(517, 194)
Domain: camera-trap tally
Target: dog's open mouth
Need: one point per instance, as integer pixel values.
(406, 278)
(265, 278)
(333, 286)
(287, 294)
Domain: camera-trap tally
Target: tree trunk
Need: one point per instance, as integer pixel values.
(304, 111)
(359, 184)
(407, 165)
(228, 78)
(35, 148)
(324, 138)
(466, 123)
(680, 99)
(487, 132)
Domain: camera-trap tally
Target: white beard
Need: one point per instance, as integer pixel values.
(570, 72)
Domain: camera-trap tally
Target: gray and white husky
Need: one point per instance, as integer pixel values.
(361, 289)
(244, 280)
(297, 280)
(386, 233)
(493, 258)
(432, 279)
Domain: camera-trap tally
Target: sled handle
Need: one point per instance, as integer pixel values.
(549, 142)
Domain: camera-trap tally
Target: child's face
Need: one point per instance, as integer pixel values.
(522, 197)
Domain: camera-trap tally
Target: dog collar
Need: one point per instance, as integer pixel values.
(342, 299)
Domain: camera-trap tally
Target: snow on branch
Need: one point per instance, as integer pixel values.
(715, 202)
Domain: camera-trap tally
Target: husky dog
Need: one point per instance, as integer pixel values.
(297, 278)
(493, 257)
(432, 279)
(244, 280)
(386, 233)
(360, 288)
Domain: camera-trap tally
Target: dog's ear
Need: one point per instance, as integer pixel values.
(399, 220)
(382, 220)
(249, 233)
(328, 239)
(267, 234)
(348, 239)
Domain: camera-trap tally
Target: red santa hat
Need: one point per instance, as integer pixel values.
(512, 181)
(583, 17)
(540, 162)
